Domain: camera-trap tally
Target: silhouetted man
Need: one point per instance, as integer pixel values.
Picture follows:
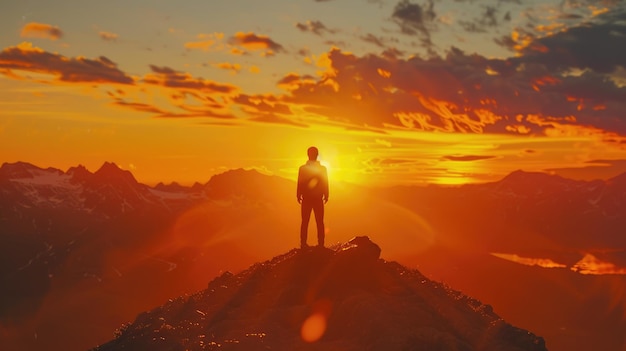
(312, 193)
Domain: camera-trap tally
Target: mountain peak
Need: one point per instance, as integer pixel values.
(322, 299)
(110, 171)
(618, 179)
(240, 182)
(520, 174)
(79, 173)
(528, 183)
(238, 173)
(109, 167)
(22, 170)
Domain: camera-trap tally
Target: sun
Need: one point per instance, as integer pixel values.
(342, 169)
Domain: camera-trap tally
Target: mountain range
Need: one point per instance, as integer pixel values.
(95, 249)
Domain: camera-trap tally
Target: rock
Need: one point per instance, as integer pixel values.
(322, 299)
(360, 248)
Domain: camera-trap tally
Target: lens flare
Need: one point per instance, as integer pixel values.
(313, 327)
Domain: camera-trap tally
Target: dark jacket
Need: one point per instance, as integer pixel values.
(312, 181)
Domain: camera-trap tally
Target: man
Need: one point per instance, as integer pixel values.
(312, 194)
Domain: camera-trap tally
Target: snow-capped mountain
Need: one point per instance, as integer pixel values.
(59, 229)
(322, 299)
(108, 192)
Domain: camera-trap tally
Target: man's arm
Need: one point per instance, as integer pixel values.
(299, 186)
(325, 184)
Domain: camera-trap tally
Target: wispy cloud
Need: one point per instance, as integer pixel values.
(276, 119)
(530, 261)
(255, 42)
(315, 27)
(415, 19)
(205, 41)
(262, 104)
(376, 40)
(171, 78)
(143, 107)
(467, 158)
(107, 36)
(41, 30)
(490, 18)
(590, 264)
(233, 67)
(26, 57)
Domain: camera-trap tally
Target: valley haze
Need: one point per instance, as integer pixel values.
(85, 252)
(481, 144)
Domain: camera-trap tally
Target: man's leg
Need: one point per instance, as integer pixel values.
(305, 211)
(318, 208)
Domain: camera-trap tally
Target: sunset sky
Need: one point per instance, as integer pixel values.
(391, 92)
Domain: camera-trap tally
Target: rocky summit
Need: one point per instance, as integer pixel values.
(343, 298)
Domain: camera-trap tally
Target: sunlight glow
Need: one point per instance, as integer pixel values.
(592, 265)
(529, 261)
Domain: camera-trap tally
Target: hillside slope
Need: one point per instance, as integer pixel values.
(323, 299)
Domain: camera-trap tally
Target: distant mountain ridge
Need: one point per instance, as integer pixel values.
(527, 199)
(110, 191)
(531, 200)
(60, 226)
(578, 214)
(239, 182)
(65, 230)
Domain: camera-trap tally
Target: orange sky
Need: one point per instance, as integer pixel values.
(404, 93)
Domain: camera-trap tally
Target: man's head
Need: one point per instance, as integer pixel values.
(312, 152)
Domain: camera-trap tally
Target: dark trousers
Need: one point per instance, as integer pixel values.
(317, 206)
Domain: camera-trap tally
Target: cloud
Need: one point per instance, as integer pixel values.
(415, 19)
(315, 27)
(233, 67)
(413, 94)
(529, 261)
(389, 161)
(590, 264)
(41, 30)
(182, 104)
(373, 39)
(268, 109)
(489, 19)
(107, 36)
(167, 77)
(26, 57)
(262, 104)
(205, 41)
(191, 97)
(392, 53)
(592, 170)
(459, 93)
(272, 118)
(139, 106)
(466, 158)
(254, 42)
(201, 113)
(188, 96)
(599, 45)
(294, 80)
